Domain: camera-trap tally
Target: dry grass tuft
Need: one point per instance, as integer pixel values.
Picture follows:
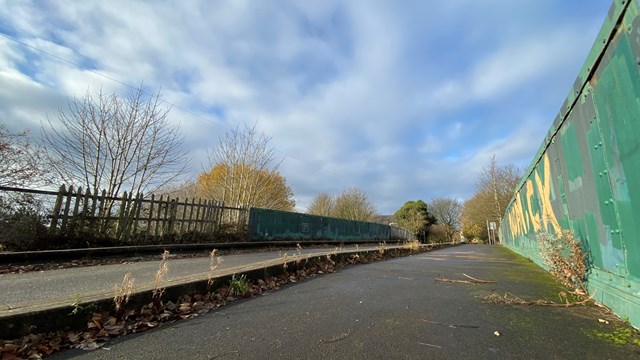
(413, 245)
(381, 247)
(158, 289)
(285, 260)
(214, 262)
(136, 319)
(298, 255)
(123, 292)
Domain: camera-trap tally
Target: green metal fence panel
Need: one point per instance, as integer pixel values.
(586, 174)
(267, 224)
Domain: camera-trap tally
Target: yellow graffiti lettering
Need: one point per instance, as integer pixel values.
(515, 217)
(548, 216)
(518, 224)
(535, 219)
(545, 219)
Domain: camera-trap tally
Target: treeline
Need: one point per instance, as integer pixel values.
(351, 204)
(494, 189)
(442, 219)
(108, 144)
(117, 143)
(127, 143)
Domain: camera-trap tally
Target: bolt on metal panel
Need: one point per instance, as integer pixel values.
(585, 175)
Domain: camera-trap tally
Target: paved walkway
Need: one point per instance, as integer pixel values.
(38, 290)
(390, 310)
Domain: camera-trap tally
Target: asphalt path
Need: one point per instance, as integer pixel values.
(389, 310)
(72, 284)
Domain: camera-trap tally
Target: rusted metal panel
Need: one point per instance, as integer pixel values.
(586, 173)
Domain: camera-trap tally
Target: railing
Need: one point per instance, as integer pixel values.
(75, 217)
(127, 218)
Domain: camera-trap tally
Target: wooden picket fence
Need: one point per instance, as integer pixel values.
(135, 217)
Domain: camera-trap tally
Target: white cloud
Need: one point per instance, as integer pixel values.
(368, 94)
(431, 145)
(24, 103)
(521, 143)
(512, 67)
(517, 64)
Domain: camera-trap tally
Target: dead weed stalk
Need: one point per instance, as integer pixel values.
(123, 292)
(510, 299)
(381, 247)
(298, 255)
(285, 260)
(471, 280)
(413, 245)
(158, 289)
(107, 325)
(214, 262)
(562, 253)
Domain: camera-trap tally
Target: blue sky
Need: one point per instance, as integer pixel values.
(404, 99)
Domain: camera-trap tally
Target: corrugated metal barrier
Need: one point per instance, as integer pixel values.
(586, 174)
(281, 225)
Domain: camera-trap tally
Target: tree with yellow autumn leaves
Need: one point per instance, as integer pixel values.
(242, 185)
(496, 185)
(243, 173)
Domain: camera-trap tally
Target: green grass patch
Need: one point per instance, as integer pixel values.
(621, 335)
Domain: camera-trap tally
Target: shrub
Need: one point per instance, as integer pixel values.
(22, 225)
(239, 286)
(562, 253)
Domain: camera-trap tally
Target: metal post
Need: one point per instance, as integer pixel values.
(488, 233)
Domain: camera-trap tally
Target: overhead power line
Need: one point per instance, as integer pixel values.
(173, 105)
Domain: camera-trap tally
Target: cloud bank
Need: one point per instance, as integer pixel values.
(404, 100)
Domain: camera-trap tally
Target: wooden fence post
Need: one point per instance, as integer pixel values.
(208, 212)
(92, 212)
(198, 223)
(150, 218)
(212, 217)
(65, 212)
(193, 202)
(159, 218)
(121, 216)
(103, 220)
(127, 217)
(73, 223)
(138, 208)
(56, 210)
(184, 214)
(83, 212)
(172, 214)
(220, 213)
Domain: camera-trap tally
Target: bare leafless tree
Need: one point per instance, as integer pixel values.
(115, 143)
(500, 181)
(21, 165)
(184, 190)
(244, 172)
(20, 161)
(496, 185)
(447, 212)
